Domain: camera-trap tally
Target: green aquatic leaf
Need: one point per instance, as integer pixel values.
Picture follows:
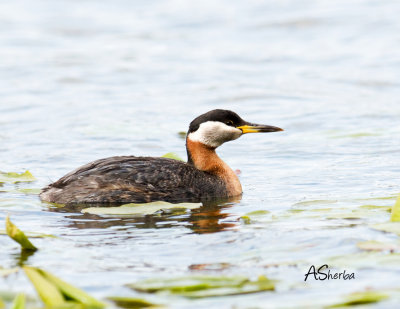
(376, 207)
(336, 213)
(70, 292)
(47, 291)
(70, 305)
(323, 210)
(19, 302)
(57, 293)
(172, 155)
(388, 227)
(373, 245)
(365, 259)
(316, 202)
(205, 286)
(358, 135)
(139, 209)
(15, 177)
(247, 218)
(131, 302)
(391, 197)
(32, 234)
(350, 214)
(326, 202)
(19, 236)
(257, 213)
(27, 191)
(361, 298)
(395, 217)
(182, 134)
(295, 211)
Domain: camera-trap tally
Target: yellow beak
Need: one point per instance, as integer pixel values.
(258, 128)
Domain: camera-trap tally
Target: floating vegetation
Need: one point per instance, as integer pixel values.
(31, 234)
(54, 292)
(257, 213)
(315, 202)
(358, 135)
(395, 217)
(361, 298)
(131, 302)
(17, 235)
(388, 227)
(394, 225)
(15, 177)
(376, 207)
(48, 292)
(19, 302)
(355, 200)
(373, 245)
(139, 209)
(27, 191)
(182, 134)
(247, 218)
(391, 197)
(172, 155)
(335, 213)
(57, 293)
(204, 286)
(358, 213)
(365, 259)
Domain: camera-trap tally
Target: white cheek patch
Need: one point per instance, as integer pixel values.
(214, 133)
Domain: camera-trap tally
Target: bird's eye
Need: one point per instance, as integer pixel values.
(229, 123)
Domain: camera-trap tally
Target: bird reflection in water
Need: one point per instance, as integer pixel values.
(208, 218)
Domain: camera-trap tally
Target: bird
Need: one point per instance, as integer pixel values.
(129, 179)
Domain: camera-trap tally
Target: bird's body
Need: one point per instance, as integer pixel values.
(129, 179)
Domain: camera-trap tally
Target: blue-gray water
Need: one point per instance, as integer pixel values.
(82, 80)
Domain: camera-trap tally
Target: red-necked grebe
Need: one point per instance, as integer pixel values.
(129, 179)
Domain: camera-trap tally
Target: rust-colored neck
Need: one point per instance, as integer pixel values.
(206, 159)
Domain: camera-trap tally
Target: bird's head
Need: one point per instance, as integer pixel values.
(219, 126)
